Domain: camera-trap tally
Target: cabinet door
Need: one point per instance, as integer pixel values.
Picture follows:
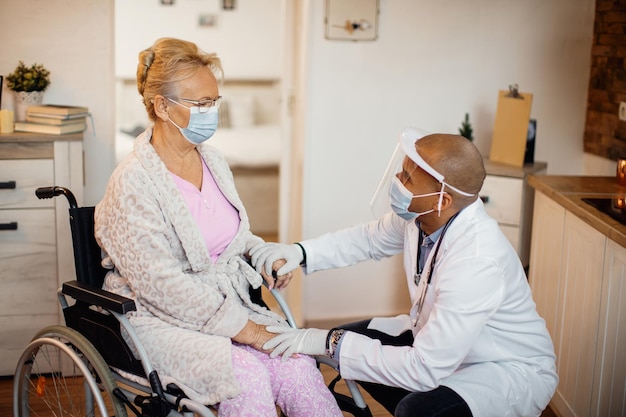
(28, 262)
(578, 312)
(27, 174)
(503, 199)
(28, 279)
(545, 258)
(610, 372)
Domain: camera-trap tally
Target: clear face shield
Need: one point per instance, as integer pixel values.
(381, 202)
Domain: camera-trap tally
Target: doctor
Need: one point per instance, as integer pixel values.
(472, 343)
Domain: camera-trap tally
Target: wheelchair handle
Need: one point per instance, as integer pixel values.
(53, 191)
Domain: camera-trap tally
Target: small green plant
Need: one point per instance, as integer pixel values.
(33, 78)
(466, 128)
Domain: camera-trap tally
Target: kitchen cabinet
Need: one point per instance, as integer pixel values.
(578, 279)
(610, 370)
(547, 228)
(35, 241)
(509, 200)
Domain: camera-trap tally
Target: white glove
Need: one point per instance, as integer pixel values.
(290, 341)
(253, 243)
(266, 254)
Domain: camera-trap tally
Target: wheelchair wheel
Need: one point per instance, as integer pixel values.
(61, 374)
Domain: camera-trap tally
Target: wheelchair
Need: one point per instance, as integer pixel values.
(86, 368)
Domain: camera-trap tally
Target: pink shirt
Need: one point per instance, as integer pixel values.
(217, 219)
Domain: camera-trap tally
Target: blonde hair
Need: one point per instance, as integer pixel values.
(167, 62)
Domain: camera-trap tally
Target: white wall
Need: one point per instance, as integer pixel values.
(432, 62)
(74, 40)
(247, 39)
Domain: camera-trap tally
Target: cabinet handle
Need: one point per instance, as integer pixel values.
(8, 226)
(7, 185)
(484, 198)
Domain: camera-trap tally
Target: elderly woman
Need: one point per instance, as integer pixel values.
(175, 235)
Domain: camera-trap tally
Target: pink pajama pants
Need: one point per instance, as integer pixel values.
(296, 386)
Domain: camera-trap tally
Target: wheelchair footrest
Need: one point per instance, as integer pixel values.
(347, 404)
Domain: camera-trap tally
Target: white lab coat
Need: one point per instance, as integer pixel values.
(479, 331)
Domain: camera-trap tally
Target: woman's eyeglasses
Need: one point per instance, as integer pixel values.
(203, 105)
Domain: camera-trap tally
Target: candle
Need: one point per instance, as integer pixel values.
(6, 121)
(621, 171)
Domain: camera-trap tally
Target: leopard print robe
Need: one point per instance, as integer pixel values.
(188, 308)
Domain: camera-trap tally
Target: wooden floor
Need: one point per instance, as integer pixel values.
(6, 397)
(6, 386)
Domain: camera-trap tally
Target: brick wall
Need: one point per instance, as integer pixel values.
(605, 134)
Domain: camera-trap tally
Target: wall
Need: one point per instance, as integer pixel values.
(605, 134)
(74, 40)
(247, 38)
(432, 63)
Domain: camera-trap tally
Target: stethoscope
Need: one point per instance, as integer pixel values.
(418, 271)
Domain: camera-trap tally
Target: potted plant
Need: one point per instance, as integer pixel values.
(28, 85)
(466, 128)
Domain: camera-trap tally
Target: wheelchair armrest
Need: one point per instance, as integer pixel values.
(99, 297)
(333, 363)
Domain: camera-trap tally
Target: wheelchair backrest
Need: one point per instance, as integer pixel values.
(87, 253)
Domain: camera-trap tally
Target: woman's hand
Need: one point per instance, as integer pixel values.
(255, 335)
(277, 281)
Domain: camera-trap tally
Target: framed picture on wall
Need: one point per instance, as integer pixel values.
(351, 20)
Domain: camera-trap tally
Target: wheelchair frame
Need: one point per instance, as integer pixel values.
(86, 368)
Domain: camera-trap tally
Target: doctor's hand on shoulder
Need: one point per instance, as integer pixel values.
(264, 256)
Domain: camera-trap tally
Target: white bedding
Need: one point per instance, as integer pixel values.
(251, 147)
(255, 146)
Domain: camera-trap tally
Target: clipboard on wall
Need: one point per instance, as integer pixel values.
(508, 144)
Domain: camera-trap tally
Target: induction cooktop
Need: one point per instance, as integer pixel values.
(614, 207)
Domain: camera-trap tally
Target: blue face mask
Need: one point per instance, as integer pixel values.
(401, 199)
(201, 126)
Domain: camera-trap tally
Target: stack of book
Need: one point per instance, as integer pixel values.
(54, 119)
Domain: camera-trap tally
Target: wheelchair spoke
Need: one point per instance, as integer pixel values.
(61, 375)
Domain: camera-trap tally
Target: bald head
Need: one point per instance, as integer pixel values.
(456, 158)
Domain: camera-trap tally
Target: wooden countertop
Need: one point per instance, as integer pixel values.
(569, 191)
(22, 145)
(505, 170)
(38, 137)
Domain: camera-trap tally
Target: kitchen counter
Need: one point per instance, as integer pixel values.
(578, 281)
(506, 170)
(569, 191)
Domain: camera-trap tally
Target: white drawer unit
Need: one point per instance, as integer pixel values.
(19, 178)
(509, 200)
(35, 244)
